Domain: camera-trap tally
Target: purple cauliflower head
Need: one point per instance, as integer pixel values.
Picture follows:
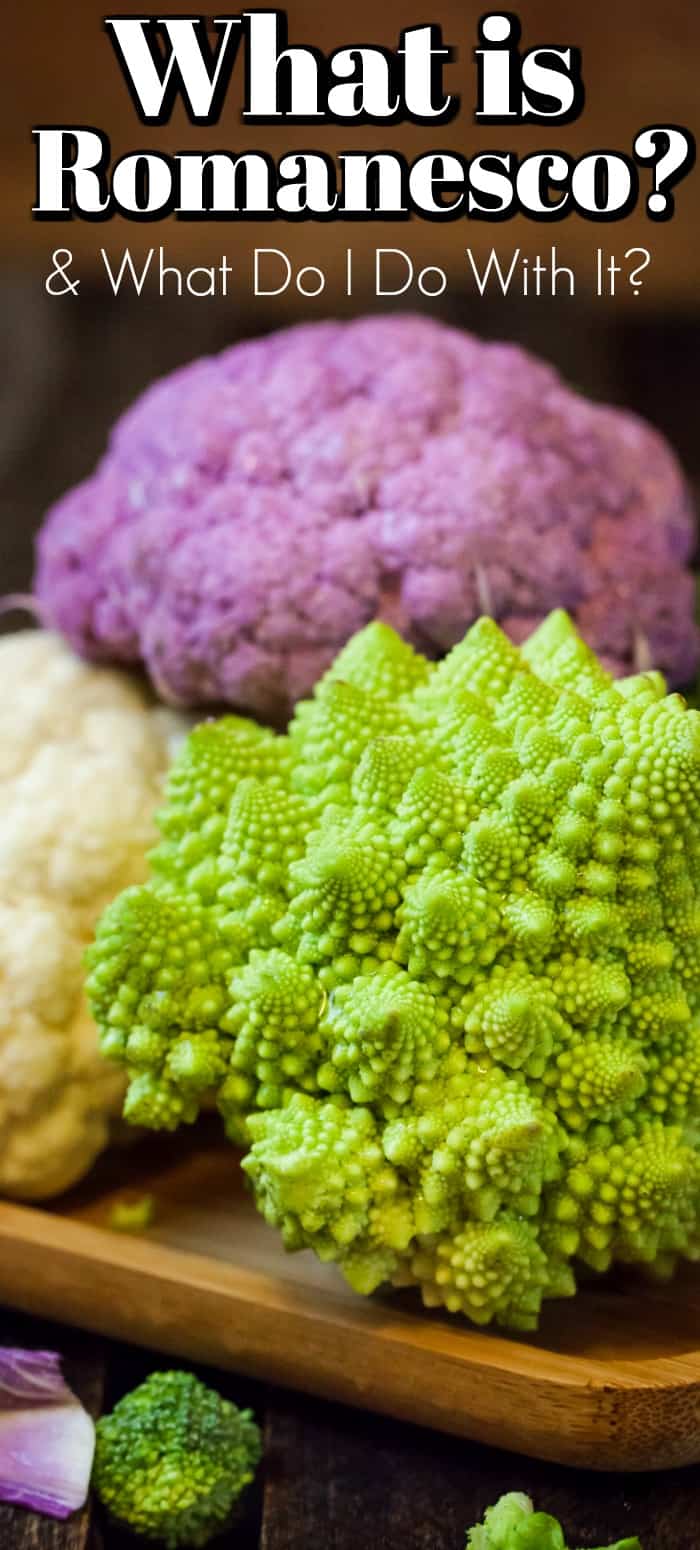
(254, 509)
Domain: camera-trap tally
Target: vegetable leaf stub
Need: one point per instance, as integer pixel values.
(513, 1524)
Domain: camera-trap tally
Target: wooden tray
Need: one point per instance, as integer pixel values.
(612, 1381)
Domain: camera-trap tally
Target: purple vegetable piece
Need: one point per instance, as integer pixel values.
(254, 509)
(47, 1439)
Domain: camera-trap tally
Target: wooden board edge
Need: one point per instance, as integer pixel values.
(23, 1229)
(267, 1328)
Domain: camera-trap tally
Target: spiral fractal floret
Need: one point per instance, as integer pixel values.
(435, 953)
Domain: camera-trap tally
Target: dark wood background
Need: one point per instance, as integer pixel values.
(336, 1479)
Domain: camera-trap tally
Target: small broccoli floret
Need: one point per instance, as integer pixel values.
(436, 954)
(172, 1459)
(513, 1524)
(594, 1079)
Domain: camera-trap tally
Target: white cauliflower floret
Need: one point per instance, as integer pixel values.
(80, 778)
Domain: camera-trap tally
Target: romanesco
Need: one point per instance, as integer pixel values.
(513, 1524)
(435, 953)
(172, 1459)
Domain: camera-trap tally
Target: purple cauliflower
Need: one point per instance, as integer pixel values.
(255, 509)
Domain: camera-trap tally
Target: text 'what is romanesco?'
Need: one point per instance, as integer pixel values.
(436, 953)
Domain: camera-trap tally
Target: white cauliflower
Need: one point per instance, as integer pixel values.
(81, 771)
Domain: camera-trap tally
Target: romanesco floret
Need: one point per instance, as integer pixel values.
(435, 954)
(133, 1214)
(172, 1459)
(513, 1524)
(322, 1178)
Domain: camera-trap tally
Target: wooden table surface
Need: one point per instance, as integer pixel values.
(332, 1479)
(336, 1479)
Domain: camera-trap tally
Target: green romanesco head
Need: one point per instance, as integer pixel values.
(435, 954)
(172, 1459)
